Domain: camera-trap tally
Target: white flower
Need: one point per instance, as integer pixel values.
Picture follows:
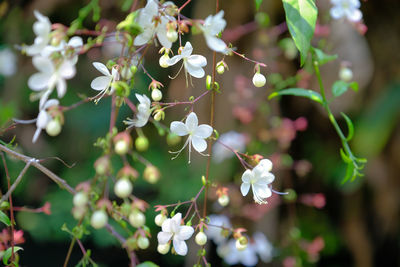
(104, 83)
(212, 26)
(346, 8)
(152, 24)
(197, 133)
(215, 226)
(232, 139)
(42, 29)
(8, 62)
(262, 246)
(74, 44)
(193, 63)
(43, 118)
(172, 229)
(50, 76)
(259, 179)
(233, 256)
(143, 112)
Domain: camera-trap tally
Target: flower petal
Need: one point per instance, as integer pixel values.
(173, 60)
(262, 191)
(61, 87)
(67, 70)
(197, 60)
(191, 122)
(354, 15)
(51, 102)
(43, 64)
(266, 164)
(102, 68)
(162, 36)
(216, 44)
(244, 188)
(39, 81)
(203, 131)
(199, 144)
(75, 42)
(336, 12)
(195, 71)
(166, 226)
(100, 83)
(179, 128)
(185, 232)
(187, 50)
(247, 176)
(266, 178)
(180, 247)
(164, 237)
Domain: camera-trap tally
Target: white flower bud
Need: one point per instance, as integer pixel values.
(201, 239)
(78, 212)
(159, 219)
(123, 188)
(346, 74)
(53, 128)
(241, 243)
(126, 73)
(163, 249)
(121, 147)
(137, 219)
(99, 219)
(163, 61)
(259, 80)
(223, 200)
(220, 69)
(143, 242)
(80, 199)
(172, 36)
(156, 95)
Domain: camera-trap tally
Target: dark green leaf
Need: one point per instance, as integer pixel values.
(299, 92)
(147, 264)
(301, 17)
(323, 58)
(4, 219)
(258, 4)
(8, 252)
(350, 127)
(339, 88)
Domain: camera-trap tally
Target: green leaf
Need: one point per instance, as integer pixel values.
(323, 58)
(350, 127)
(7, 254)
(349, 173)
(339, 88)
(354, 86)
(344, 156)
(299, 92)
(301, 17)
(4, 219)
(258, 4)
(147, 264)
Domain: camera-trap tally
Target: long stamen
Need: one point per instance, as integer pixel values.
(179, 151)
(176, 75)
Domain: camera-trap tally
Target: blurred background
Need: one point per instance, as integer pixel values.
(321, 223)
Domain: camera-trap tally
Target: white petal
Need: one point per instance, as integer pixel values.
(176, 220)
(173, 60)
(43, 64)
(164, 237)
(187, 50)
(61, 88)
(100, 83)
(199, 144)
(195, 71)
(185, 232)
(67, 70)
(216, 44)
(180, 247)
(75, 42)
(203, 131)
(39, 81)
(145, 36)
(162, 38)
(247, 176)
(197, 60)
(151, 8)
(266, 178)
(166, 226)
(244, 188)
(51, 102)
(354, 15)
(192, 122)
(336, 12)
(266, 164)
(102, 68)
(249, 257)
(179, 128)
(262, 191)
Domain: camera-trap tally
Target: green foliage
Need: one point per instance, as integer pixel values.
(94, 7)
(321, 57)
(7, 254)
(301, 17)
(350, 127)
(258, 4)
(340, 87)
(129, 24)
(4, 219)
(314, 96)
(147, 264)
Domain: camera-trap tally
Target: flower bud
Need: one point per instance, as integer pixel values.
(346, 74)
(123, 188)
(137, 219)
(53, 128)
(102, 165)
(163, 248)
(164, 61)
(220, 69)
(143, 242)
(151, 174)
(209, 82)
(126, 73)
(159, 115)
(259, 80)
(223, 200)
(173, 139)
(122, 143)
(142, 143)
(128, 172)
(201, 239)
(80, 199)
(99, 219)
(241, 243)
(78, 212)
(159, 219)
(156, 95)
(172, 35)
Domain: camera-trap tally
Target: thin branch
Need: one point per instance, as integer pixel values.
(17, 181)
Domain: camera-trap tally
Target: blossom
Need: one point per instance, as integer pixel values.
(215, 227)
(197, 133)
(153, 24)
(262, 246)
(346, 8)
(50, 76)
(173, 230)
(143, 112)
(104, 83)
(234, 140)
(43, 118)
(73, 45)
(212, 26)
(193, 63)
(42, 29)
(8, 62)
(233, 256)
(259, 179)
